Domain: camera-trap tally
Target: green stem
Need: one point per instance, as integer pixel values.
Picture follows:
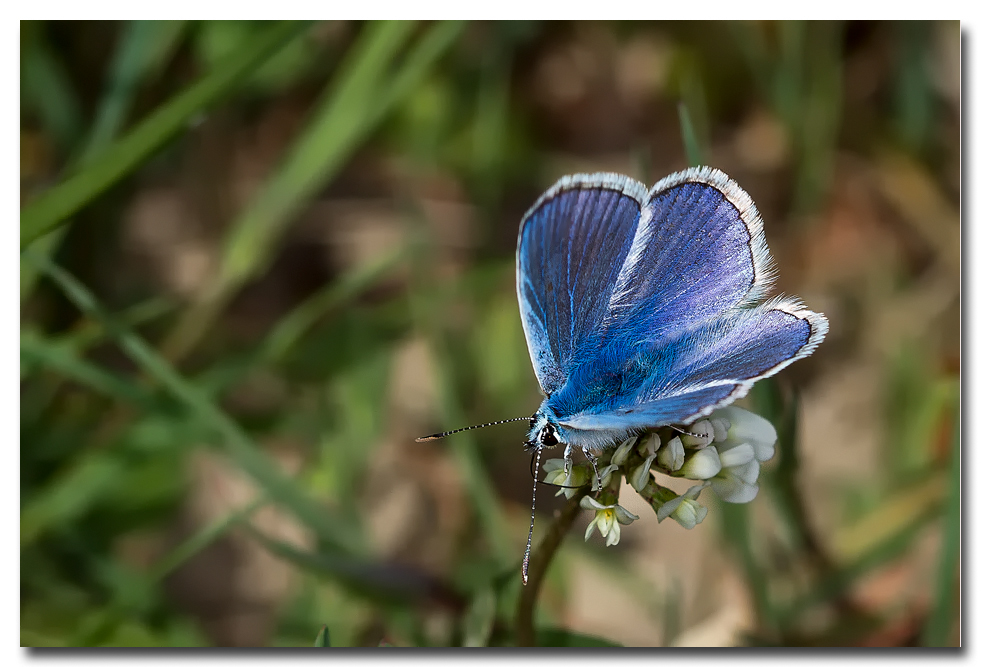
(524, 622)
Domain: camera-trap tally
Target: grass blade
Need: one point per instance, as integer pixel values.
(53, 207)
(203, 538)
(302, 318)
(47, 88)
(337, 534)
(480, 488)
(939, 626)
(737, 531)
(37, 350)
(348, 113)
(69, 496)
(692, 150)
(323, 638)
(382, 581)
(143, 46)
(479, 619)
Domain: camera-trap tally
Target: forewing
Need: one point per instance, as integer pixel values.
(681, 379)
(571, 246)
(699, 252)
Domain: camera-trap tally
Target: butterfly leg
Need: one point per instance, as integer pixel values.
(567, 455)
(592, 460)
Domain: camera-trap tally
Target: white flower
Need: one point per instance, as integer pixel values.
(608, 519)
(684, 509)
(748, 427)
(720, 427)
(736, 455)
(649, 444)
(555, 474)
(689, 514)
(640, 476)
(699, 434)
(737, 484)
(623, 451)
(604, 474)
(703, 464)
(749, 439)
(672, 455)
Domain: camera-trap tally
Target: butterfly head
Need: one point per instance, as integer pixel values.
(544, 432)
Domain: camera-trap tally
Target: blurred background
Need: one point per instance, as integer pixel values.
(261, 258)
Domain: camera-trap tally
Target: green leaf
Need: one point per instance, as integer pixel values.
(323, 638)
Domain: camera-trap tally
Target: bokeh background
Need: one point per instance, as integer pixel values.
(261, 258)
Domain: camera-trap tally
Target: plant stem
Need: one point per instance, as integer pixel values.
(524, 623)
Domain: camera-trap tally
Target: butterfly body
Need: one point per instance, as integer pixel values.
(641, 308)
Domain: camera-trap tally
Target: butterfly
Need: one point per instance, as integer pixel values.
(645, 307)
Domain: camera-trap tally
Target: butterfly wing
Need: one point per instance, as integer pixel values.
(698, 252)
(680, 335)
(571, 246)
(688, 376)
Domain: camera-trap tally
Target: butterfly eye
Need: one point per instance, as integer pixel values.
(547, 437)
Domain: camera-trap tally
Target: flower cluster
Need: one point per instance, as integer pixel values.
(722, 452)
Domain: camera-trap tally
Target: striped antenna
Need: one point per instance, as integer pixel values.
(534, 486)
(681, 430)
(437, 436)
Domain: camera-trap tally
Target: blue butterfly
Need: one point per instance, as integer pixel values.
(641, 308)
(644, 308)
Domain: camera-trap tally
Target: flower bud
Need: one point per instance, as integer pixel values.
(649, 444)
(641, 475)
(720, 426)
(684, 509)
(751, 428)
(703, 464)
(736, 455)
(623, 451)
(737, 484)
(604, 474)
(700, 434)
(672, 455)
(689, 513)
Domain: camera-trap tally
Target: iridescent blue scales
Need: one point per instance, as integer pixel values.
(643, 308)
